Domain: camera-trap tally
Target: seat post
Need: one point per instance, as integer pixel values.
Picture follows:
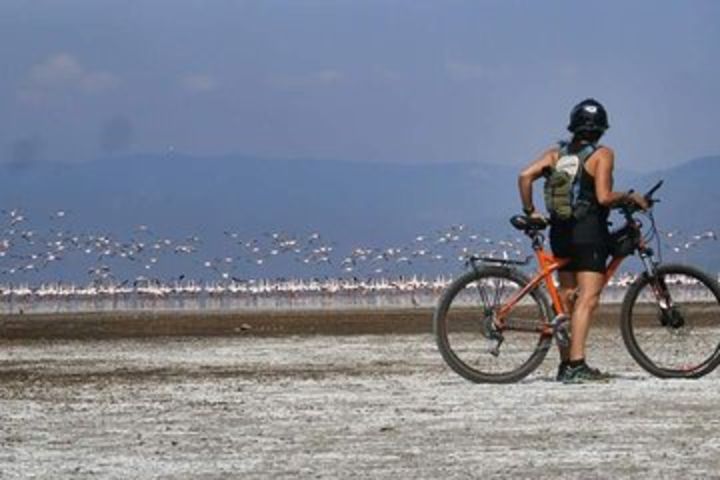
(537, 240)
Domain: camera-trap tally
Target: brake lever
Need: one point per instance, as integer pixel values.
(652, 201)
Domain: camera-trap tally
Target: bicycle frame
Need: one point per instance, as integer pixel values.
(548, 264)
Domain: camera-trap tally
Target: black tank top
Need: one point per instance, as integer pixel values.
(593, 227)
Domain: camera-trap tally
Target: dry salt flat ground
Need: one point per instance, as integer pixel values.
(375, 406)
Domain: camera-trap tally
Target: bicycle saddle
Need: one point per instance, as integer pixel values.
(525, 223)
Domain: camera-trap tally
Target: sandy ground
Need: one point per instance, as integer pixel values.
(144, 324)
(360, 406)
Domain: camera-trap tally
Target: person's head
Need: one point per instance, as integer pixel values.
(588, 121)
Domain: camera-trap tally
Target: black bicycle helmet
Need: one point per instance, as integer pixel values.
(588, 116)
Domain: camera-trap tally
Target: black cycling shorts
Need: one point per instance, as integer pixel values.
(583, 258)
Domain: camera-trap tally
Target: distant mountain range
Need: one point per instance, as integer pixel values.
(351, 203)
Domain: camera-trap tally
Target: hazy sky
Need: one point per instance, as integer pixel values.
(364, 80)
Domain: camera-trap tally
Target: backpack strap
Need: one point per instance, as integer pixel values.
(563, 148)
(586, 152)
(583, 155)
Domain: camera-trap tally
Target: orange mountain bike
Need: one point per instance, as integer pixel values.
(495, 325)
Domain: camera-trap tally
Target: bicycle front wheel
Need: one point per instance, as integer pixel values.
(468, 338)
(671, 322)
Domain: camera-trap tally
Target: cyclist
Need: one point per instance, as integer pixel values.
(583, 237)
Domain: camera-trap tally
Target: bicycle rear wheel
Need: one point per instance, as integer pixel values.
(671, 323)
(466, 334)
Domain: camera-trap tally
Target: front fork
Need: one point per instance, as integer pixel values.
(669, 316)
(658, 285)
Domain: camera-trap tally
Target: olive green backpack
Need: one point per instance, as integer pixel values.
(562, 184)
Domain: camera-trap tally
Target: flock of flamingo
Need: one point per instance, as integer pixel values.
(132, 265)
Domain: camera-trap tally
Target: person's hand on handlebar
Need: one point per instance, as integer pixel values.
(638, 199)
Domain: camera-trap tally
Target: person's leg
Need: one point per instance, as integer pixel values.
(590, 286)
(566, 290)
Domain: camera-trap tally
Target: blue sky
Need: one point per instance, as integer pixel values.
(390, 81)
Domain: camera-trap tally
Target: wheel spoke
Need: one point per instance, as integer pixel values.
(498, 293)
(484, 302)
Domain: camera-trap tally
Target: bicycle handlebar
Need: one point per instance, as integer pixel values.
(628, 208)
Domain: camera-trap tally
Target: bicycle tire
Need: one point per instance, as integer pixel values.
(442, 322)
(644, 332)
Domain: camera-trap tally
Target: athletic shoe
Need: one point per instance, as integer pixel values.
(583, 374)
(562, 370)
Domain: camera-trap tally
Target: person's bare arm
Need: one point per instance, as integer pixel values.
(531, 173)
(604, 182)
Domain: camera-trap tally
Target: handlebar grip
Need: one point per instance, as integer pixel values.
(648, 195)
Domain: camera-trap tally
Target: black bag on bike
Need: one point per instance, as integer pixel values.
(624, 241)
